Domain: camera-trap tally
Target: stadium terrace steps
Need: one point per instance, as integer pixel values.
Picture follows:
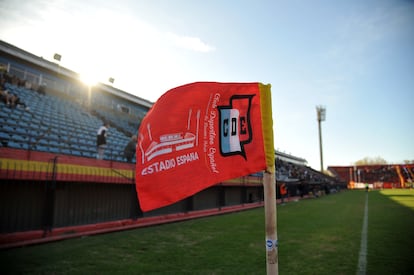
(52, 124)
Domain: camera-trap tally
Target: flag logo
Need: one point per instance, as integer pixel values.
(234, 126)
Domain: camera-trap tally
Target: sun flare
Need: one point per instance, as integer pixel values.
(90, 78)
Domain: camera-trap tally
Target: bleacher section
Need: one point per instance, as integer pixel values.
(381, 175)
(57, 125)
(292, 172)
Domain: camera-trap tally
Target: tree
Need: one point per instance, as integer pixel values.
(370, 161)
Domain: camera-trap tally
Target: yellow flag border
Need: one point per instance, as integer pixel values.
(267, 126)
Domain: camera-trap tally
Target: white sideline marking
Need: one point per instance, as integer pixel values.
(362, 262)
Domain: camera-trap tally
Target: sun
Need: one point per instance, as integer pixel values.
(92, 69)
(90, 78)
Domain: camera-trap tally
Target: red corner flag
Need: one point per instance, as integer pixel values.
(200, 134)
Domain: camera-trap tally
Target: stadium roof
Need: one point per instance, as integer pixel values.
(56, 68)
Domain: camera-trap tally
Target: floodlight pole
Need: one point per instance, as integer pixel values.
(321, 115)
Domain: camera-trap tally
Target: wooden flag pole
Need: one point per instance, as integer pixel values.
(269, 183)
(269, 188)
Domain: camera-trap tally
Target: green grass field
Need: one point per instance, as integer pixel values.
(316, 236)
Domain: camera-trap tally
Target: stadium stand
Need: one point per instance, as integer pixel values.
(58, 126)
(379, 176)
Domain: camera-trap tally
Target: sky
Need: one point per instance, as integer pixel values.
(355, 58)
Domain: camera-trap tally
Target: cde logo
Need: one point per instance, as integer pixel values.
(235, 129)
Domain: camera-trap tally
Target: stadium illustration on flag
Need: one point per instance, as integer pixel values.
(170, 142)
(199, 134)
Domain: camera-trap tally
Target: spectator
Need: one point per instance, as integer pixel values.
(42, 89)
(283, 192)
(14, 100)
(11, 100)
(4, 94)
(301, 188)
(130, 148)
(101, 140)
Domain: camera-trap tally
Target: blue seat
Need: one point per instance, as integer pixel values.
(25, 146)
(76, 153)
(54, 150)
(53, 143)
(15, 116)
(89, 154)
(21, 131)
(42, 148)
(43, 141)
(13, 144)
(64, 132)
(23, 124)
(11, 122)
(91, 143)
(4, 136)
(6, 111)
(44, 127)
(33, 132)
(20, 138)
(26, 116)
(53, 136)
(66, 151)
(35, 121)
(8, 128)
(84, 148)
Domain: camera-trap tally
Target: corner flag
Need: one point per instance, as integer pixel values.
(200, 134)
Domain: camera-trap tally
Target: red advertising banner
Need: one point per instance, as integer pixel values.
(200, 134)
